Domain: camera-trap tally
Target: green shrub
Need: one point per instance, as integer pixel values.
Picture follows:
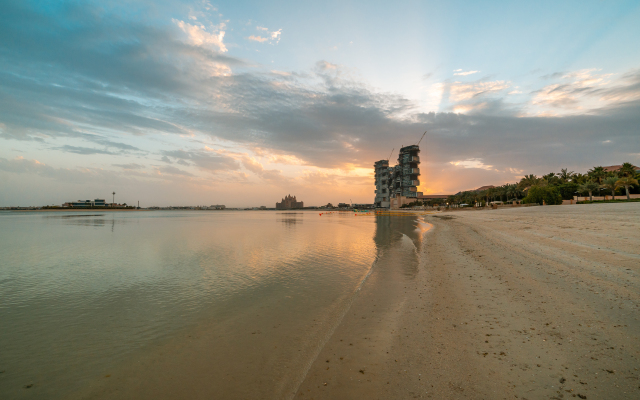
(537, 194)
(568, 190)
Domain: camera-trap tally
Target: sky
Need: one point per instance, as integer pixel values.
(243, 102)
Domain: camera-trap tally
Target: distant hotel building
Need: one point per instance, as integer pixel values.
(289, 203)
(398, 182)
(86, 203)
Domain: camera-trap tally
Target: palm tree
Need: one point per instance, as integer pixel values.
(628, 169)
(513, 190)
(626, 182)
(550, 178)
(528, 180)
(579, 178)
(611, 183)
(485, 194)
(504, 189)
(589, 187)
(565, 175)
(598, 173)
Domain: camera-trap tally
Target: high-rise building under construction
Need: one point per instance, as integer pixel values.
(400, 180)
(382, 176)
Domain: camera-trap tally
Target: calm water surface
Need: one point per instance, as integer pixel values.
(82, 294)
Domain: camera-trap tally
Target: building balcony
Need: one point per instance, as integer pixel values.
(414, 170)
(415, 159)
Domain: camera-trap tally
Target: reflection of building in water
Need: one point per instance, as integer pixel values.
(288, 203)
(290, 219)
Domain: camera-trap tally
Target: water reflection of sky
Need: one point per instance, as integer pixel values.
(75, 299)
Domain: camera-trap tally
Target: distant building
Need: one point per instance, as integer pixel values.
(407, 173)
(401, 180)
(217, 207)
(85, 203)
(344, 205)
(616, 168)
(288, 203)
(382, 175)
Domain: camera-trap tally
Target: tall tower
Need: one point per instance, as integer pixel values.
(406, 174)
(381, 171)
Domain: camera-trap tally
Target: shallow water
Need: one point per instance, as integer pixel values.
(83, 295)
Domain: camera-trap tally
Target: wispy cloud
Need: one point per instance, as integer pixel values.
(464, 73)
(129, 166)
(471, 163)
(82, 150)
(271, 37)
(204, 159)
(257, 38)
(585, 92)
(173, 171)
(466, 91)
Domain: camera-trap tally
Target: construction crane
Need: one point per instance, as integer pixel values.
(425, 132)
(389, 158)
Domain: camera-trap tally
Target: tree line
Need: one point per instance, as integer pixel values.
(551, 188)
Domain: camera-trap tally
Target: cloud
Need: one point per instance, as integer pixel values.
(121, 86)
(464, 73)
(471, 163)
(276, 35)
(129, 166)
(78, 175)
(325, 66)
(82, 150)
(199, 36)
(204, 160)
(257, 38)
(272, 38)
(585, 91)
(269, 175)
(467, 91)
(173, 171)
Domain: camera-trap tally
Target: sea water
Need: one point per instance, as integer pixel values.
(84, 295)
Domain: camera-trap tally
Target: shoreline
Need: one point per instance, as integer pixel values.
(527, 303)
(521, 303)
(80, 210)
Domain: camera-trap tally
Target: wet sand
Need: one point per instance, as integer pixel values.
(526, 303)
(529, 303)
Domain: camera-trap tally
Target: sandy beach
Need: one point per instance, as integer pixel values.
(532, 303)
(523, 303)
